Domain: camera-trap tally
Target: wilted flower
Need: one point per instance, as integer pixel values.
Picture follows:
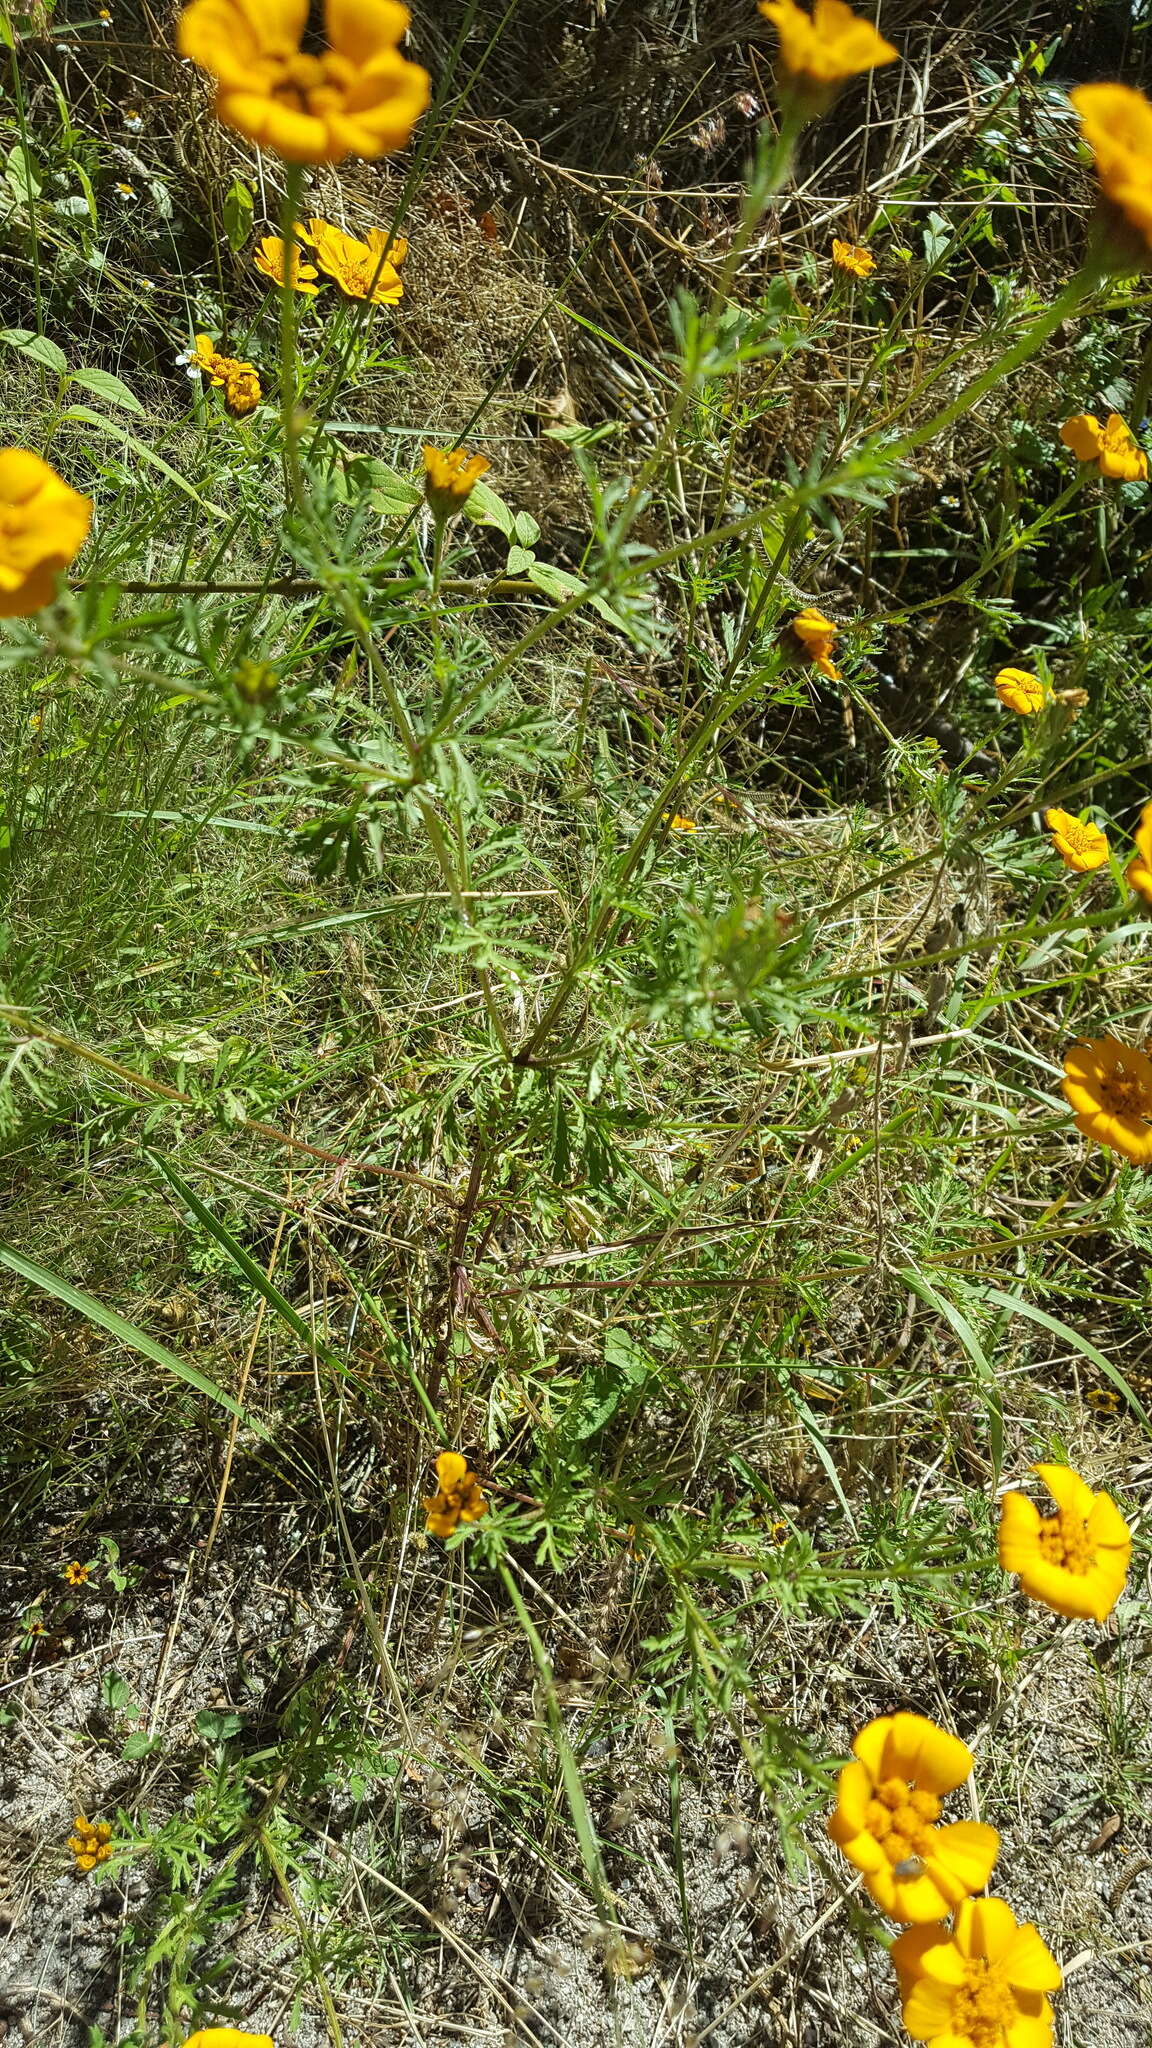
(90, 1843)
(359, 97)
(1116, 122)
(1020, 692)
(1112, 447)
(77, 1574)
(449, 477)
(1075, 1561)
(887, 1804)
(1139, 869)
(980, 1984)
(849, 256)
(817, 636)
(269, 260)
(43, 525)
(818, 51)
(1081, 846)
(1109, 1087)
(363, 270)
(459, 1498)
(228, 2037)
(242, 389)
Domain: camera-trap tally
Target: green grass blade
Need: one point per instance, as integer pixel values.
(1016, 1307)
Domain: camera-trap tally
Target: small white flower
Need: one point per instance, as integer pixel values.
(133, 121)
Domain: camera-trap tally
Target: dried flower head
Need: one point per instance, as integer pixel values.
(1075, 1561)
(77, 1574)
(1109, 1087)
(1081, 845)
(1020, 692)
(359, 97)
(242, 389)
(43, 525)
(851, 257)
(817, 637)
(980, 1984)
(1113, 447)
(448, 478)
(819, 51)
(269, 261)
(90, 1842)
(458, 1499)
(888, 1803)
(363, 269)
(1139, 869)
(1116, 123)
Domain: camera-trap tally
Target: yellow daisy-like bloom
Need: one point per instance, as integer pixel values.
(1020, 692)
(817, 636)
(1116, 123)
(1109, 1086)
(980, 1984)
(43, 525)
(77, 1574)
(90, 1843)
(1075, 1561)
(1113, 447)
(205, 357)
(1081, 846)
(849, 256)
(448, 478)
(818, 51)
(269, 260)
(359, 97)
(363, 270)
(887, 1805)
(228, 2037)
(459, 1498)
(242, 388)
(678, 824)
(1139, 869)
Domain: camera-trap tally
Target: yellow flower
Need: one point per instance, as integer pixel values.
(1018, 691)
(363, 270)
(204, 357)
(77, 1574)
(849, 256)
(1109, 1086)
(459, 1498)
(43, 524)
(242, 389)
(1112, 447)
(1116, 123)
(1081, 846)
(818, 51)
(1075, 1561)
(449, 477)
(676, 823)
(817, 636)
(1139, 870)
(269, 260)
(887, 1804)
(228, 2037)
(90, 1844)
(359, 97)
(980, 1984)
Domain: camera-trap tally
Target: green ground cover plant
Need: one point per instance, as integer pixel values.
(575, 988)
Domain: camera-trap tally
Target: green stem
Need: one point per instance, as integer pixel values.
(289, 409)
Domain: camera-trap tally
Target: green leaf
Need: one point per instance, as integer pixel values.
(519, 560)
(127, 1333)
(525, 531)
(239, 207)
(486, 508)
(22, 175)
(85, 415)
(37, 346)
(109, 388)
(392, 494)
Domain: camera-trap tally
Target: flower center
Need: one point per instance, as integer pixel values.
(900, 1818)
(1064, 1542)
(1081, 838)
(984, 2009)
(313, 85)
(1125, 1094)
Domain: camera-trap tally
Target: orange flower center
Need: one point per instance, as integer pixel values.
(1064, 1542)
(901, 1817)
(1125, 1094)
(984, 2009)
(1080, 837)
(312, 85)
